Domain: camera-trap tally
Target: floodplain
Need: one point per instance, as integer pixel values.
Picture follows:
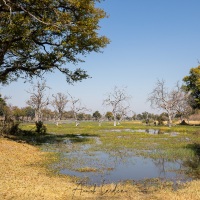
(130, 154)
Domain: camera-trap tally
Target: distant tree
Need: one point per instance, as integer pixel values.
(2, 105)
(166, 100)
(96, 115)
(6, 122)
(162, 118)
(76, 108)
(183, 108)
(42, 36)
(38, 99)
(18, 113)
(68, 114)
(117, 100)
(122, 112)
(109, 115)
(48, 114)
(87, 116)
(29, 112)
(139, 117)
(133, 115)
(192, 85)
(59, 103)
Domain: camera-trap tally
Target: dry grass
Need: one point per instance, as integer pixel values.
(23, 176)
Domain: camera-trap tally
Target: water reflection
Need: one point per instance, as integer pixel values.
(114, 166)
(149, 131)
(115, 169)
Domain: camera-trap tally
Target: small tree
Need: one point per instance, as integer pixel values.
(96, 115)
(109, 115)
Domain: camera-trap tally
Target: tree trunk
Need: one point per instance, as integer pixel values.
(77, 123)
(170, 120)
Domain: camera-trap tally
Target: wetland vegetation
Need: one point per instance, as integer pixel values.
(129, 152)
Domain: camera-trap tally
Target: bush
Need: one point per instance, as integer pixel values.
(14, 129)
(40, 128)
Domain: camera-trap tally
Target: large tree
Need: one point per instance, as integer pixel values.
(192, 84)
(42, 36)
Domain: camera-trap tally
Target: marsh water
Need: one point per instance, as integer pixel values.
(79, 157)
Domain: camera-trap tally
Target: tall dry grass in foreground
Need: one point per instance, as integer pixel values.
(23, 176)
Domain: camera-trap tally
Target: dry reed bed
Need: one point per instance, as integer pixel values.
(23, 176)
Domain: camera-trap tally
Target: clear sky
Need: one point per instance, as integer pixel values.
(150, 40)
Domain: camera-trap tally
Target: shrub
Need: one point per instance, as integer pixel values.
(40, 128)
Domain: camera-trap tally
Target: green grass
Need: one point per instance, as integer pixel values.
(116, 140)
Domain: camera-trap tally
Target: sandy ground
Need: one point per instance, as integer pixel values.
(23, 176)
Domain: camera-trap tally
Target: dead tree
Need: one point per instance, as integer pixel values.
(38, 99)
(116, 100)
(162, 98)
(122, 112)
(59, 103)
(183, 108)
(76, 108)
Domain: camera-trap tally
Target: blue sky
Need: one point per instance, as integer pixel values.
(150, 40)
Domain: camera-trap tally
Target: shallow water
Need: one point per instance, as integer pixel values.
(115, 169)
(149, 131)
(112, 166)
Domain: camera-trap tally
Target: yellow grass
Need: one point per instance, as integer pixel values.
(23, 176)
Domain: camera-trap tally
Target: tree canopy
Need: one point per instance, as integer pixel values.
(192, 84)
(43, 36)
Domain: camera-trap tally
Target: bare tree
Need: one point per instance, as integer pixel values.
(38, 99)
(170, 101)
(59, 103)
(183, 108)
(117, 99)
(122, 112)
(76, 108)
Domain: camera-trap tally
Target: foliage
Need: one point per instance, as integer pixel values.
(109, 115)
(14, 130)
(29, 112)
(2, 105)
(40, 128)
(192, 84)
(97, 115)
(42, 36)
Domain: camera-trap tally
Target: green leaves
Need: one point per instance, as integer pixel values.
(192, 84)
(41, 36)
